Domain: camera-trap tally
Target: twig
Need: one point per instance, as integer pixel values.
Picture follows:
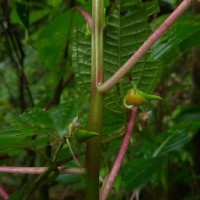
(86, 15)
(110, 179)
(107, 85)
(4, 194)
(39, 170)
(135, 194)
(72, 153)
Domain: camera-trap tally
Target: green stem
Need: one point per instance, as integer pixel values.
(93, 148)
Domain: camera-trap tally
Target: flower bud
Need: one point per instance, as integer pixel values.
(136, 97)
(83, 135)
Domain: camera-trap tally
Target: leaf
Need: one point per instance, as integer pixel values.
(53, 38)
(12, 139)
(184, 28)
(55, 3)
(141, 171)
(151, 7)
(186, 126)
(112, 122)
(35, 122)
(23, 12)
(82, 58)
(126, 30)
(62, 115)
(152, 155)
(37, 117)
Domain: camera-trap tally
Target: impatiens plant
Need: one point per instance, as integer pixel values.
(116, 72)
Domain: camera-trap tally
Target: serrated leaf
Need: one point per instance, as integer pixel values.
(151, 7)
(62, 115)
(82, 58)
(35, 122)
(112, 122)
(37, 117)
(126, 30)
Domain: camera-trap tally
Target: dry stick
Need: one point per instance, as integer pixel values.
(107, 85)
(4, 194)
(39, 170)
(109, 181)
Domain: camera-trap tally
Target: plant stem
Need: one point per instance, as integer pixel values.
(107, 85)
(86, 15)
(109, 181)
(39, 170)
(93, 148)
(4, 194)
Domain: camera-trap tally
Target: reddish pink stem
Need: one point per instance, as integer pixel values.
(39, 170)
(107, 85)
(109, 181)
(86, 15)
(4, 194)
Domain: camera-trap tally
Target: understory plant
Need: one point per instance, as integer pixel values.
(118, 62)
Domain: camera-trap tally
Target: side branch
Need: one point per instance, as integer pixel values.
(39, 170)
(4, 194)
(86, 15)
(110, 179)
(107, 85)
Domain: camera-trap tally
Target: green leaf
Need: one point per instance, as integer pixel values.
(12, 139)
(151, 7)
(113, 122)
(23, 12)
(184, 28)
(62, 115)
(186, 125)
(37, 117)
(53, 38)
(19, 134)
(141, 171)
(153, 153)
(126, 30)
(55, 3)
(82, 58)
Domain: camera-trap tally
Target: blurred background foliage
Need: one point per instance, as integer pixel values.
(40, 97)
